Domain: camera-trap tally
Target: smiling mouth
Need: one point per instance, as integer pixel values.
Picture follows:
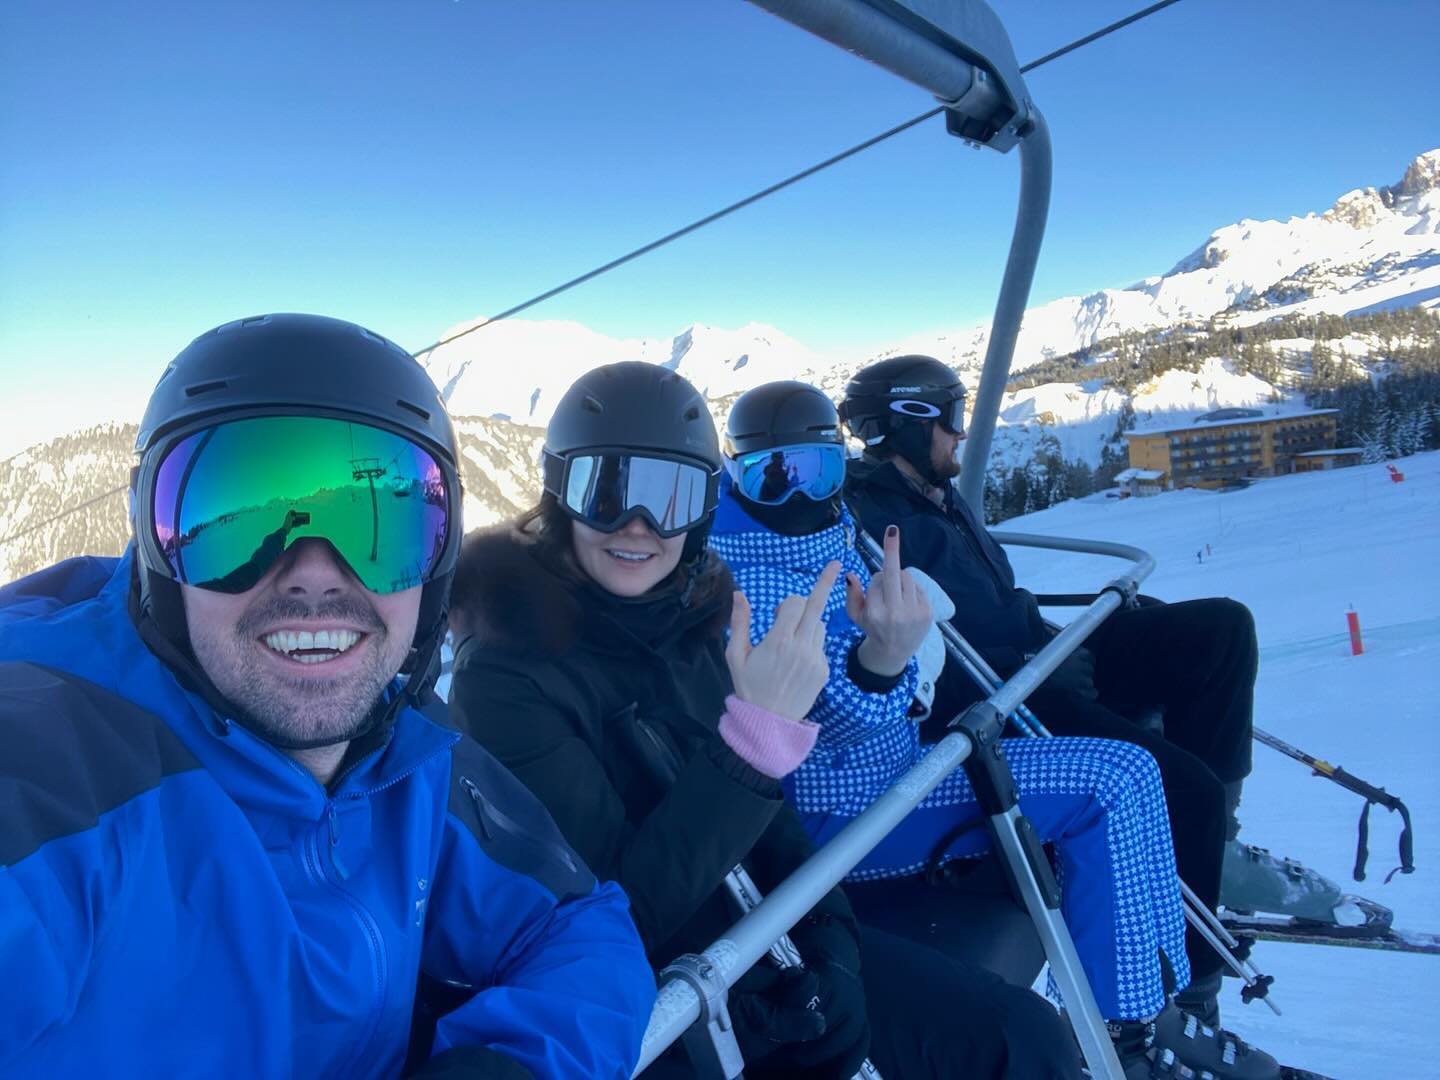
(630, 556)
(312, 647)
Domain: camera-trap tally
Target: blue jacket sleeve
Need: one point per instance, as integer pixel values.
(846, 713)
(37, 953)
(564, 988)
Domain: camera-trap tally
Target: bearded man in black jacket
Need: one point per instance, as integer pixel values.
(1196, 660)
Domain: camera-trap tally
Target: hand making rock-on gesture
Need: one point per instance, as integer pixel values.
(895, 614)
(786, 671)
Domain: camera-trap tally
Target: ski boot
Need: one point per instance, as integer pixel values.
(1252, 880)
(1201, 999)
(1209, 1051)
(1134, 1042)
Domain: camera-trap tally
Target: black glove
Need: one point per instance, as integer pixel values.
(809, 1025)
(1075, 676)
(774, 1010)
(837, 1053)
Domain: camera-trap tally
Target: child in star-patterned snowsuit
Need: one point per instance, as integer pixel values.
(1098, 800)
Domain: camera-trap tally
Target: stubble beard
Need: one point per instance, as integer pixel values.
(299, 712)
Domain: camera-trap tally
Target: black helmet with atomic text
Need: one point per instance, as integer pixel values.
(888, 395)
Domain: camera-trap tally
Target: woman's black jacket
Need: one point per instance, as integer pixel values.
(572, 688)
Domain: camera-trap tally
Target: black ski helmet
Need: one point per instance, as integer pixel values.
(634, 407)
(787, 413)
(293, 365)
(894, 401)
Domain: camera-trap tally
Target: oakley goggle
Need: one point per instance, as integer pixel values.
(229, 500)
(950, 415)
(816, 470)
(608, 490)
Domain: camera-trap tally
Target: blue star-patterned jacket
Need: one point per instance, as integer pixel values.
(866, 739)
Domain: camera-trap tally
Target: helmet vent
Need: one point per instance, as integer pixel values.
(205, 387)
(592, 404)
(692, 413)
(424, 414)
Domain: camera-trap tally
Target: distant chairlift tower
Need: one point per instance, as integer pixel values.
(370, 469)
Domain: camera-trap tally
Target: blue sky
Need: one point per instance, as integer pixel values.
(166, 166)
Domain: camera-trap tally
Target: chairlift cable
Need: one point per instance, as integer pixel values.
(1080, 43)
(764, 193)
(692, 227)
(63, 513)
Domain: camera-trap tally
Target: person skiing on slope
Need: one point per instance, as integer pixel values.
(235, 831)
(1196, 659)
(591, 652)
(1099, 800)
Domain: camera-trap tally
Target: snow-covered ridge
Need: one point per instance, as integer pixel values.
(1374, 248)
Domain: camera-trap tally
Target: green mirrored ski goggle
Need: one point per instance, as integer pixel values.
(230, 499)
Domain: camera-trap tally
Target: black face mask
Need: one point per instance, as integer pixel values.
(798, 515)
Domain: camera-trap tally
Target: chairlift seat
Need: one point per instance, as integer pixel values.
(970, 916)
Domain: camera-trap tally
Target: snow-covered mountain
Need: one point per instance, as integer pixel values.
(517, 370)
(1374, 249)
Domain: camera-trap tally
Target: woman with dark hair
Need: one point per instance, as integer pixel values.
(1099, 801)
(592, 660)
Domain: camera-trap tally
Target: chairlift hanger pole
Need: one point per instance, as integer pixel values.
(960, 53)
(1030, 217)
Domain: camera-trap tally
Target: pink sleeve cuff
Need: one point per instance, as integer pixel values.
(768, 743)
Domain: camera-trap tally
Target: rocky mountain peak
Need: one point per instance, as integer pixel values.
(1422, 175)
(1361, 208)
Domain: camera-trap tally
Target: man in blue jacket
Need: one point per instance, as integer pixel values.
(233, 840)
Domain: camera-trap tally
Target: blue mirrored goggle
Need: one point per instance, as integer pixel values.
(816, 470)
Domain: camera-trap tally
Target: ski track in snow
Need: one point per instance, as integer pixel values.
(1299, 551)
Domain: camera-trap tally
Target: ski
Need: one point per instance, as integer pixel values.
(1284, 928)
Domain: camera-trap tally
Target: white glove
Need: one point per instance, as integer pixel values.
(930, 657)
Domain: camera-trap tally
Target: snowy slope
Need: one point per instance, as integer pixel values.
(1300, 551)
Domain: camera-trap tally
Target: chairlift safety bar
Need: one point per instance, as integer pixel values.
(679, 1006)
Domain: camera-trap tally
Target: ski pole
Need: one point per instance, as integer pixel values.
(1367, 791)
(1209, 927)
(1198, 914)
(739, 884)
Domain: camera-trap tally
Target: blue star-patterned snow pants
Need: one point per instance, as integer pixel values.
(1100, 802)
